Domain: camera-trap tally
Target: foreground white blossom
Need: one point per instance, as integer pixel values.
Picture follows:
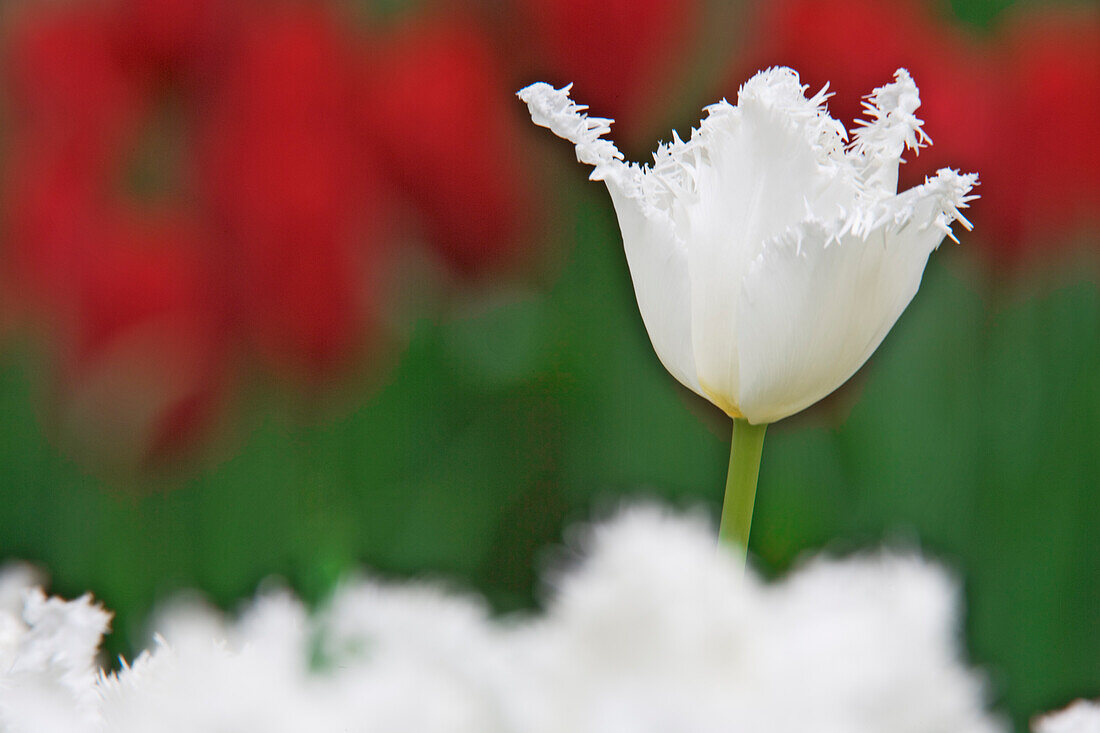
(48, 674)
(657, 633)
(651, 630)
(769, 256)
(1080, 717)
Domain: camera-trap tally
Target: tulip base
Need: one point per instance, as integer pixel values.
(745, 449)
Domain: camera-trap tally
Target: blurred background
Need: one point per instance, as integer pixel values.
(293, 287)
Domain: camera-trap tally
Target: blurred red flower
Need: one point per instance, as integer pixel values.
(175, 39)
(442, 116)
(126, 303)
(66, 91)
(51, 200)
(1045, 183)
(142, 354)
(1011, 108)
(284, 174)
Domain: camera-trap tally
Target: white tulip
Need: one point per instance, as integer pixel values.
(769, 255)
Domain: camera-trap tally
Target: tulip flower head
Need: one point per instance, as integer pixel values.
(770, 254)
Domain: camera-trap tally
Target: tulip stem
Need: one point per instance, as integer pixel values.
(745, 449)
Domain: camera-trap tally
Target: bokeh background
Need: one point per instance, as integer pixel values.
(294, 287)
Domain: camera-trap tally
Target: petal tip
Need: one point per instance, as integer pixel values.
(552, 108)
(893, 126)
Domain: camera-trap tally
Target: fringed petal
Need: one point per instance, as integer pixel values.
(820, 298)
(552, 108)
(893, 128)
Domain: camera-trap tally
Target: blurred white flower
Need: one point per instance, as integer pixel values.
(209, 675)
(650, 631)
(864, 615)
(48, 671)
(769, 257)
(1080, 717)
(414, 658)
(656, 632)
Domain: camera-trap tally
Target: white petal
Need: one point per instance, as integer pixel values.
(813, 308)
(657, 260)
(768, 162)
(552, 108)
(659, 269)
(812, 313)
(893, 128)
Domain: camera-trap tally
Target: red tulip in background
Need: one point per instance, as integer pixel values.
(66, 88)
(70, 107)
(175, 39)
(125, 292)
(284, 177)
(142, 360)
(1046, 182)
(443, 117)
(1015, 108)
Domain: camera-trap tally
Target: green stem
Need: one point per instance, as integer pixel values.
(745, 449)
